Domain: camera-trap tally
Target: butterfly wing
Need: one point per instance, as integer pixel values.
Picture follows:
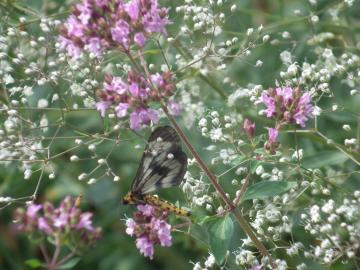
(163, 163)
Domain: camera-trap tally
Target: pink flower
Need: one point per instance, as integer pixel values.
(156, 19)
(103, 24)
(157, 79)
(102, 106)
(287, 105)
(163, 232)
(95, 46)
(150, 228)
(74, 27)
(146, 210)
(273, 134)
(134, 95)
(130, 226)
(303, 110)
(116, 85)
(174, 107)
(120, 33)
(132, 10)
(71, 49)
(44, 226)
(270, 104)
(61, 220)
(66, 221)
(134, 90)
(140, 39)
(272, 144)
(121, 109)
(249, 128)
(85, 11)
(32, 210)
(85, 221)
(141, 117)
(145, 246)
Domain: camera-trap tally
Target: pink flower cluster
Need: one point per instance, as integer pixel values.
(96, 25)
(150, 228)
(287, 105)
(134, 95)
(249, 128)
(66, 220)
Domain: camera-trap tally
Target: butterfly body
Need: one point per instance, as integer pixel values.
(155, 201)
(162, 165)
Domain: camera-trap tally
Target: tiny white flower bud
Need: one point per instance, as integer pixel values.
(215, 121)
(354, 92)
(249, 31)
(214, 114)
(259, 63)
(92, 147)
(203, 122)
(91, 181)
(101, 161)
(265, 38)
(82, 176)
(74, 158)
(346, 127)
(27, 174)
(78, 141)
(314, 19)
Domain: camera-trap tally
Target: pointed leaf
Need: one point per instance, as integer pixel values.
(266, 189)
(70, 264)
(34, 263)
(324, 158)
(220, 234)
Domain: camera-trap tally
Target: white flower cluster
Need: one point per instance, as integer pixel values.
(208, 264)
(334, 227)
(316, 76)
(189, 98)
(218, 128)
(200, 18)
(197, 191)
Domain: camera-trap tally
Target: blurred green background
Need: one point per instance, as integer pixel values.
(116, 250)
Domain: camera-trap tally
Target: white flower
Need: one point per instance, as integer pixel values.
(8, 79)
(42, 103)
(216, 134)
(286, 57)
(346, 127)
(203, 122)
(210, 261)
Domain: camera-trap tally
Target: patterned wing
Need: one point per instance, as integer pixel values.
(163, 163)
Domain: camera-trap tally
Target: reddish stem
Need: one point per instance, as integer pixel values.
(232, 207)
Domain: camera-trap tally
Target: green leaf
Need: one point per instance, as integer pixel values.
(237, 160)
(267, 189)
(253, 165)
(220, 233)
(70, 264)
(34, 263)
(324, 158)
(204, 219)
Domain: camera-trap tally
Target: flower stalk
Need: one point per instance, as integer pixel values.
(232, 207)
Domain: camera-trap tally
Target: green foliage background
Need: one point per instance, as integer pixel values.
(116, 250)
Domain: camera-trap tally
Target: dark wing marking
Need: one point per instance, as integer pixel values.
(163, 163)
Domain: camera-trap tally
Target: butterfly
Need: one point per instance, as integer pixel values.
(163, 165)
